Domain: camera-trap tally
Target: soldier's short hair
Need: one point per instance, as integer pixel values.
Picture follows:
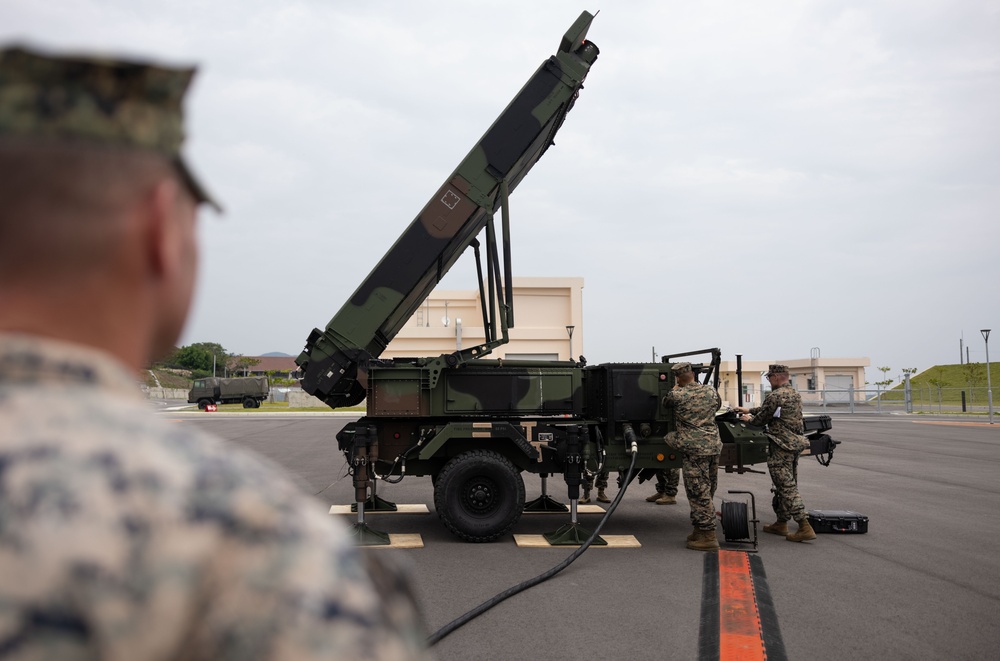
(54, 99)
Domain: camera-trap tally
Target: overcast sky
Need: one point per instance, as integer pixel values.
(765, 177)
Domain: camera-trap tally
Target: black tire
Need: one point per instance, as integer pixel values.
(248, 402)
(203, 404)
(479, 495)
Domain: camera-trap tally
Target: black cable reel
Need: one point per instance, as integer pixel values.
(736, 522)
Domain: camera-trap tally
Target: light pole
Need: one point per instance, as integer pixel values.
(989, 385)
(569, 330)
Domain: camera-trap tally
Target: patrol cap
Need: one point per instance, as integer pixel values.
(680, 368)
(776, 369)
(101, 101)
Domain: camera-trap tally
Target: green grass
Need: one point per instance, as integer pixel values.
(947, 382)
(179, 379)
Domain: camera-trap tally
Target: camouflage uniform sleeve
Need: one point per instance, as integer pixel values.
(764, 413)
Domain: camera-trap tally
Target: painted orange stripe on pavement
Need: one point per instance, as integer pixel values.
(954, 424)
(740, 636)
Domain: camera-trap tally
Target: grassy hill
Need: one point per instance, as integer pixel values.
(945, 383)
(168, 378)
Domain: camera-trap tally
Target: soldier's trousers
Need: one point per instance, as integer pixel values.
(667, 481)
(701, 475)
(783, 467)
(588, 480)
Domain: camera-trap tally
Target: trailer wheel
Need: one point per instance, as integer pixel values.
(248, 402)
(479, 495)
(203, 404)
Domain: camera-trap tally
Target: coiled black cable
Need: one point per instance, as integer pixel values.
(434, 638)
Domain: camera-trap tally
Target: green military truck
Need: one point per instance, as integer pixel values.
(472, 424)
(250, 390)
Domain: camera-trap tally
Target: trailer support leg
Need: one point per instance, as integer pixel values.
(573, 534)
(363, 456)
(545, 503)
(376, 503)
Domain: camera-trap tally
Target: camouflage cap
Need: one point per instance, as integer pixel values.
(777, 369)
(103, 101)
(681, 368)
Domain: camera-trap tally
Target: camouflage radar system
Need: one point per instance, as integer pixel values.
(334, 360)
(475, 424)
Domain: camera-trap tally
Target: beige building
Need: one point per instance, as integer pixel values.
(543, 308)
(832, 380)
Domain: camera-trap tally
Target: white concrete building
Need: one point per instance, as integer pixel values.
(816, 379)
(543, 308)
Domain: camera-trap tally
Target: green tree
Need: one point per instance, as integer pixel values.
(202, 356)
(885, 382)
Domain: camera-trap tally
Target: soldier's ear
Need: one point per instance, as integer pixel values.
(162, 229)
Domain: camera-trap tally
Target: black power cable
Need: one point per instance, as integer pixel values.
(434, 638)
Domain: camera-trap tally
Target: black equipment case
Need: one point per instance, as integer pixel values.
(838, 521)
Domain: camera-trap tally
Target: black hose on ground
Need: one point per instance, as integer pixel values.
(434, 638)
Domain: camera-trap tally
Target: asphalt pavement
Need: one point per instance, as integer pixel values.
(923, 583)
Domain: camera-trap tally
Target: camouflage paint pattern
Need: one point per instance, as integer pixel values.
(667, 481)
(106, 101)
(123, 536)
(694, 407)
(781, 411)
(96, 101)
(700, 481)
(783, 467)
(333, 358)
(531, 397)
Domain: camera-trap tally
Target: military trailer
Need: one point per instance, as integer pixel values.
(473, 424)
(250, 390)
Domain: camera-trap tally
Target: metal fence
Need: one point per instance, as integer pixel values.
(919, 399)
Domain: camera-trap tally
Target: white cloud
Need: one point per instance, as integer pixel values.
(846, 151)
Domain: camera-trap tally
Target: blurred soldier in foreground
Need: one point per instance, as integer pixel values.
(123, 536)
(666, 487)
(781, 411)
(697, 439)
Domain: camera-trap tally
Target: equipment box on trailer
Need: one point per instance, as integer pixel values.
(838, 521)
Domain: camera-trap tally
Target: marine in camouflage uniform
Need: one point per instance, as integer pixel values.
(697, 439)
(781, 412)
(124, 535)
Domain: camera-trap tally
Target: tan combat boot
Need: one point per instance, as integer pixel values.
(704, 540)
(693, 535)
(777, 528)
(586, 497)
(602, 497)
(803, 534)
(666, 500)
(656, 496)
